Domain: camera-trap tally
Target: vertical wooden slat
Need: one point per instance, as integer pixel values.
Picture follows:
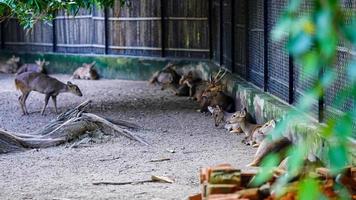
(163, 28)
(106, 29)
(54, 34)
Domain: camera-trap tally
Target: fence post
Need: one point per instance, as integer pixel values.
(321, 100)
(54, 33)
(163, 28)
(106, 27)
(210, 18)
(232, 35)
(2, 29)
(265, 42)
(221, 27)
(247, 52)
(291, 80)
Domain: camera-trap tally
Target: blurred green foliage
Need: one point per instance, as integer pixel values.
(28, 12)
(312, 40)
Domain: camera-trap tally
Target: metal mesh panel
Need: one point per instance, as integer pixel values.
(240, 38)
(344, 55)
(226, 34)
(278, 57)
(256, 42)
(304, 82)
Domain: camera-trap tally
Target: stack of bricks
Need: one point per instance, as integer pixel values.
(223, 182)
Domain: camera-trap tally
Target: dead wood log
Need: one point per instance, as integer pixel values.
(68, 126)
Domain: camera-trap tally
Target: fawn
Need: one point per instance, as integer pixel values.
(259, 135)
(86, 72)
(10, 66)
(42, 83)
(247, 127)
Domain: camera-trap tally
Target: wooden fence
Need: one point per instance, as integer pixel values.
(145, 28)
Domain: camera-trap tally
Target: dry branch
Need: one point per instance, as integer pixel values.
(68, 126)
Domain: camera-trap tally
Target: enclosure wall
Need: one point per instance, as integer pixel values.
(234, 34)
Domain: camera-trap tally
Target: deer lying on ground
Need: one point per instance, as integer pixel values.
(86, 72)
(191, 80)
(221, 116)
(259, 135)
(168, 78)
(247, 127)
(38, 66)
(197, 86)
(268, 146)
(10, 66)
(42, 83)
(216, 99)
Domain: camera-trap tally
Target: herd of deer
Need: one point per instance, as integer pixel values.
(33, 77)
(210, 94)
(212, 97)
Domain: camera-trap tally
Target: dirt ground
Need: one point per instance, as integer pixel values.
(168, 122)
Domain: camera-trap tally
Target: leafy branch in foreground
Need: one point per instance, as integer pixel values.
(28, 12)
(312, 40)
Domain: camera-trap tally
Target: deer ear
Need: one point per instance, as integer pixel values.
(46, 63)
(92, 64)
(38, 62)
(243, 113)
(273, 123)
(211, 109)
(17, 59)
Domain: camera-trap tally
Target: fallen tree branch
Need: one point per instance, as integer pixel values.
(68, 126)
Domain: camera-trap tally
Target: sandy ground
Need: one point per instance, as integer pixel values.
(168, 122)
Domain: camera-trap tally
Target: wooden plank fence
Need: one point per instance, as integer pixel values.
(145, 28)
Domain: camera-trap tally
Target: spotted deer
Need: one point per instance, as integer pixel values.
(42, 83)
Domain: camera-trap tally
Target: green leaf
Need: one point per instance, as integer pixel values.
(308, 189)
(338, 157)
(266, 171)
(300, 44)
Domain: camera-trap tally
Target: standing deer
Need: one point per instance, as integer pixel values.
(38, 66)
(42, 83)
(10, 66)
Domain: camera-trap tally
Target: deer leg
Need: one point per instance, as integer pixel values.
(54, 98)
(45, 105)
(23, 102)
(21, 105)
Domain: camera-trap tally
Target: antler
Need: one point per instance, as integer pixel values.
(217, 78)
